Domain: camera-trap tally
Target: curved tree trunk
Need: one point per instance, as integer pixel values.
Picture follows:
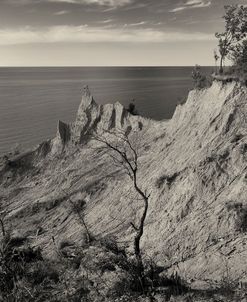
(138, 236)
(129, 162)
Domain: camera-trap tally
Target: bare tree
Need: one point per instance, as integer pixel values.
(216, 58)
(124, 155)
(79, 211)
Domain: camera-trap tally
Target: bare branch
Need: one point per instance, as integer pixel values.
(127, 158)
(134, 227)
(81, 218)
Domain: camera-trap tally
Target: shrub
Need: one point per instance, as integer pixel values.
(166, 179)
(128, 282)
(121, 287)
(239, 58)
(132, 108)
(106, 266)
(14, 262)
(153, 281)
(41, 271)
(199, 79)
(111, 244)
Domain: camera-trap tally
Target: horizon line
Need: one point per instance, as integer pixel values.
(99, 66)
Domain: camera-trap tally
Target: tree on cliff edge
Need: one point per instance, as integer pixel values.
(235, 31)
(125, 156)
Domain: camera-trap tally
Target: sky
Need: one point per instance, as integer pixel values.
(110, 32)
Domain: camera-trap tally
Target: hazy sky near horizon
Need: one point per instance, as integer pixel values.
(109, 32)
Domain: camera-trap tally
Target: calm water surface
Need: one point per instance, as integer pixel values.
(33, 99)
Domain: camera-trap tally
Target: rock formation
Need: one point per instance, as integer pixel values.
(93, 117)
(194, 166)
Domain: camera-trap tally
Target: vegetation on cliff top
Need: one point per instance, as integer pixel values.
(232, 46)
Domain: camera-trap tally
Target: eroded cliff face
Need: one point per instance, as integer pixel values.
(194, 167)
(92, 117)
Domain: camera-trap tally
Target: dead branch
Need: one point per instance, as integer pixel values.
(77, 210)
(126, 156)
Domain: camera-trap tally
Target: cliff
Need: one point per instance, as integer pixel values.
(193, 166)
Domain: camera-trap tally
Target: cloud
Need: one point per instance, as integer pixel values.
(105, 21)
(111, 3)
(60, 13)
(136, 24)
(85, 34)
(190, 4)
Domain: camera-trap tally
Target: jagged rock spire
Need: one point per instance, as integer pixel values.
(86, 101)
(92, 116)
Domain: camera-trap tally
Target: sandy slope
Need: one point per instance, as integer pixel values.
(194, 166)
